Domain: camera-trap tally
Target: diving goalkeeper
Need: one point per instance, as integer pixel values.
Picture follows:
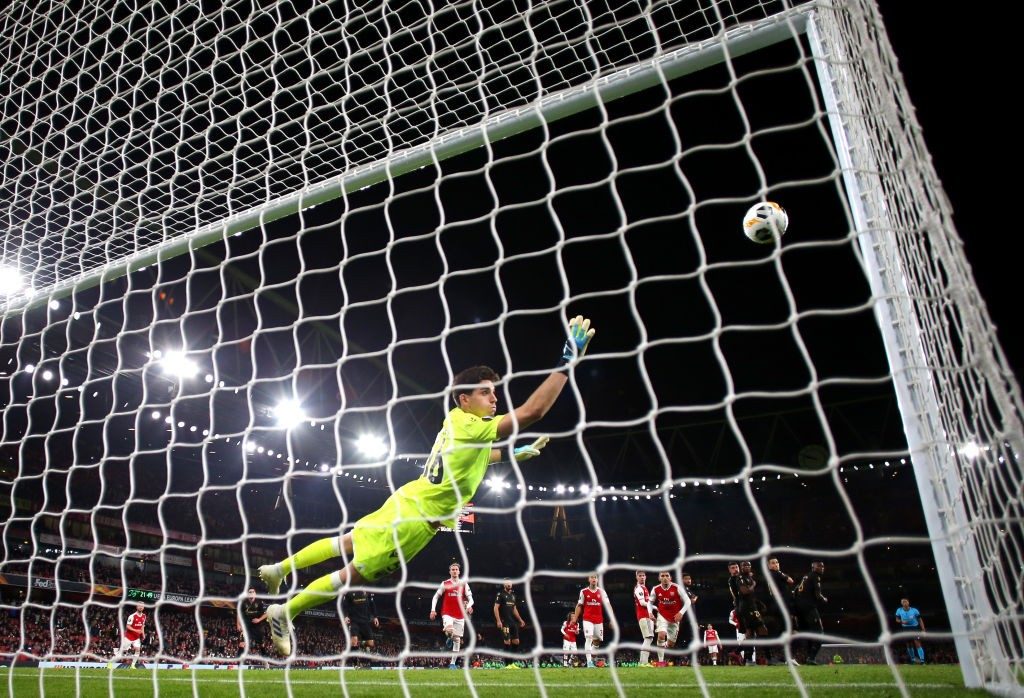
(408, 520)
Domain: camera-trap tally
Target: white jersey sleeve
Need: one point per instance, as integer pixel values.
(437, 595)
(469, 596)
(686, 599)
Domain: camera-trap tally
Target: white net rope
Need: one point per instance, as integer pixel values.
(172, 424)
(129, 126)
(953, 365)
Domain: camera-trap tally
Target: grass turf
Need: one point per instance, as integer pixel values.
(858, 680)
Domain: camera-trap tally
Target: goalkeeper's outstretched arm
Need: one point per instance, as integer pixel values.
(540, 402)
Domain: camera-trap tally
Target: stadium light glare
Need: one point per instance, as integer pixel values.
(47, 375)
(507, 485)
(30, 368)
(584, 489)
(371, 445)
(176, 364)
(11, 281)
(324, 467)
(559, 489)
(970, 450)
(289, 414)
(155, 414)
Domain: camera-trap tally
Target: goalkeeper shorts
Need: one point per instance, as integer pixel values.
(378, 537)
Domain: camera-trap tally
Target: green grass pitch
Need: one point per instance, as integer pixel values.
(862, 680)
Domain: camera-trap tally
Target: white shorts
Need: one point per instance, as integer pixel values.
(714, 649)
(568, 646)
(126, 643)
(671, 630)
(593, 630)
(458, 625)
(646, 627)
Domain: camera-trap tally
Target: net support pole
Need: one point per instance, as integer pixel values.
(957, 561)
(621, 83)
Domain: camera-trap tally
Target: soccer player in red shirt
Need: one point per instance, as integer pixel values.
(712, 642)
(671, 603)
(134, 631)
(457, 601)
(643, 616)
(569, 631)
(591, 606)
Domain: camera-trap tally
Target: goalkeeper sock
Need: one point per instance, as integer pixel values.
(318, 592)
(312, 554)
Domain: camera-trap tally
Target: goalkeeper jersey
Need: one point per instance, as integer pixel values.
(456, 466)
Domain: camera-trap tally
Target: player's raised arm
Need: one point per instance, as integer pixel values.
(540, 402)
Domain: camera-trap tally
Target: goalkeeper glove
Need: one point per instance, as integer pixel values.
(580, 334)
(532, 451)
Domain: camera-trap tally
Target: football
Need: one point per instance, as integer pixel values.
(765, 221)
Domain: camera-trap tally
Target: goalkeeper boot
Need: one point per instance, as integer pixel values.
(280, 628)
(272, 578)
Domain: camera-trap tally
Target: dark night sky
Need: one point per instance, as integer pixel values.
(965, 123)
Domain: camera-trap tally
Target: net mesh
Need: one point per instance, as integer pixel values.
(128, 127)
(186, 397)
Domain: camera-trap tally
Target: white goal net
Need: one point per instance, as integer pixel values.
(248, 245)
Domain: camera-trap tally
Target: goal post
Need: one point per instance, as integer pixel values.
(902, 218)
(246, 247)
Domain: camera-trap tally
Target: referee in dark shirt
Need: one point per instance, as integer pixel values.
(507, 618)
(250, 614)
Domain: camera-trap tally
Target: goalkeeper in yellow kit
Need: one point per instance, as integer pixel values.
(380, 542)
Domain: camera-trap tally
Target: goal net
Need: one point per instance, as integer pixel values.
(247, 246)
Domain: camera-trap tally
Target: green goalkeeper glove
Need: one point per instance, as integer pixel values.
(580, 334)
(532, 451)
